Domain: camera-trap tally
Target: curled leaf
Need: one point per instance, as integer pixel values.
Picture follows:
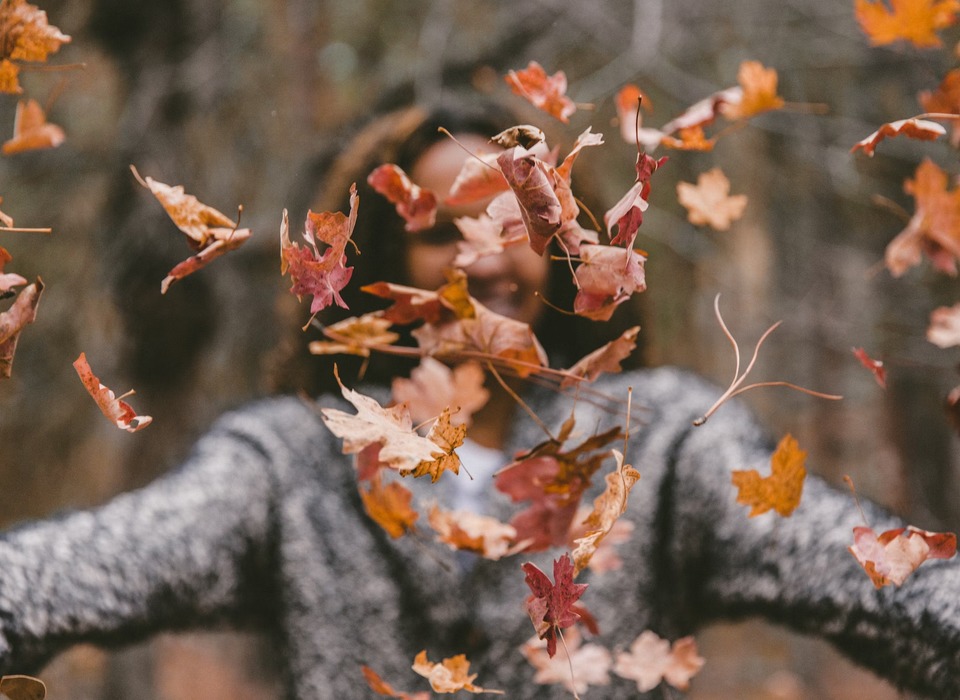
(450, 675)
(12, 321)
(31, 130)
(117, 410)
(921, 129)
(892, 556)
(417, 206)
(545, 92)
(782, 489)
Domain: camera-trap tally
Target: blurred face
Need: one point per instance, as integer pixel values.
(504, 283)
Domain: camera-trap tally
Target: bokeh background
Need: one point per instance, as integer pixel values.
(234, 98)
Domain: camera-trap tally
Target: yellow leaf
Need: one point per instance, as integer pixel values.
(916, 21)
(779, 491)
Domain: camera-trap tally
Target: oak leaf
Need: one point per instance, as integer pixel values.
(591, 662)
(433, 386)
(417, 206)
(471, 532)
(21, 312)
(892, 556)
(607, 509)
(450, 675)
(400, 446)
(916, 21)
(116, 409)
(355, 336)
(915, 128)
(710, 202)
(18, 687)
(31, 130)
(552, 604)
(875, 366)
(782, 489)
(652, 660)
(389, 506)
(604, 359)
(545, 92)
(322, 275)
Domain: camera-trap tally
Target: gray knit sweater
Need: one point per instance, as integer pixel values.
(262, 526)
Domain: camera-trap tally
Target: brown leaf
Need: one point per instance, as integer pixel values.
(448, 676)
(381, 687)
(782, 489)
(433, 386)
(921, 129)
(895, 554)
(545, 92)
(31, 130)
(604, 359)
(117, 410)
(17, 687)
(447, 437)
(470, 532)
(389, 506)
(355, 336)
(12, 321)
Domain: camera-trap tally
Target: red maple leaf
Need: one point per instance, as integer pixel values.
(551, 606)
(324, 275)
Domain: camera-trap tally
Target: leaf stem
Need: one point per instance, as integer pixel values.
(520, 402)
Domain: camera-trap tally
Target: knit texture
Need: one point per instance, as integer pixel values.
(262, 526)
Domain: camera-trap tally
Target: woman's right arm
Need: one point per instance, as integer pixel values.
(193, 547)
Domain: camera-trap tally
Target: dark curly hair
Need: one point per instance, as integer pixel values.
(401, 136)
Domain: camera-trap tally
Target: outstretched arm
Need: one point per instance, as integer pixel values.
(191, 548)
(797, 570)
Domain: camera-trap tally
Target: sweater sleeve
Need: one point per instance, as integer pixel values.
(795, 570)
(192, 548)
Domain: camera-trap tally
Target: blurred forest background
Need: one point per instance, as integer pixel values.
(234, 98)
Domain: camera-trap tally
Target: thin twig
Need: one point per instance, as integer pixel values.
(17, 229)
(520, 402)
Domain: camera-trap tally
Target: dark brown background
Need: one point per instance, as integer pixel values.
(231, 98)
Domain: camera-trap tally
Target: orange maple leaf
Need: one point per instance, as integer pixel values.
(710, 202)
(472, 532)
(689, 138)
(114, 408)
(25, 35)
(355, 336)
(546, 92)
(945, 100)
(916, 21)
(758, 86)
(782, 489)
(31, 130)
(450, 675)
(934, 228)
(447, 437)
(381, 687)
(389, 506)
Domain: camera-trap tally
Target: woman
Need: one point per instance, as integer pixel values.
(263, 525)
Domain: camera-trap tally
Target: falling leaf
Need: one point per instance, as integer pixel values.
(479, 178)
(591, 662)
(651, 660)
(8, 280)
(417, 206)
(922, 129)
(21, 312)
(523, 135)
(433, 386)
(689, 138)
(535, 188)
(875, 366)
(629, 100)
(895, 554)
(606, 277)
(117, 410)
(607, 508)
(944, 330)
(758, 92)
(709, 201)
(448, 676)
(551, 606)
(410, 304)
(545, 92)
(18, 687)
(916, 21)
(381, 687)
(471, 532)
(934, 228)
(483, 236)
(782, 489)
(389, 506)
(400, 446)
(945, 100)
(605, 359)
(324, 275)
(627, 214)
(604, 557)
(447, 437)
(208, 231)
(355, 336)
(27, 36)
(31, 130)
